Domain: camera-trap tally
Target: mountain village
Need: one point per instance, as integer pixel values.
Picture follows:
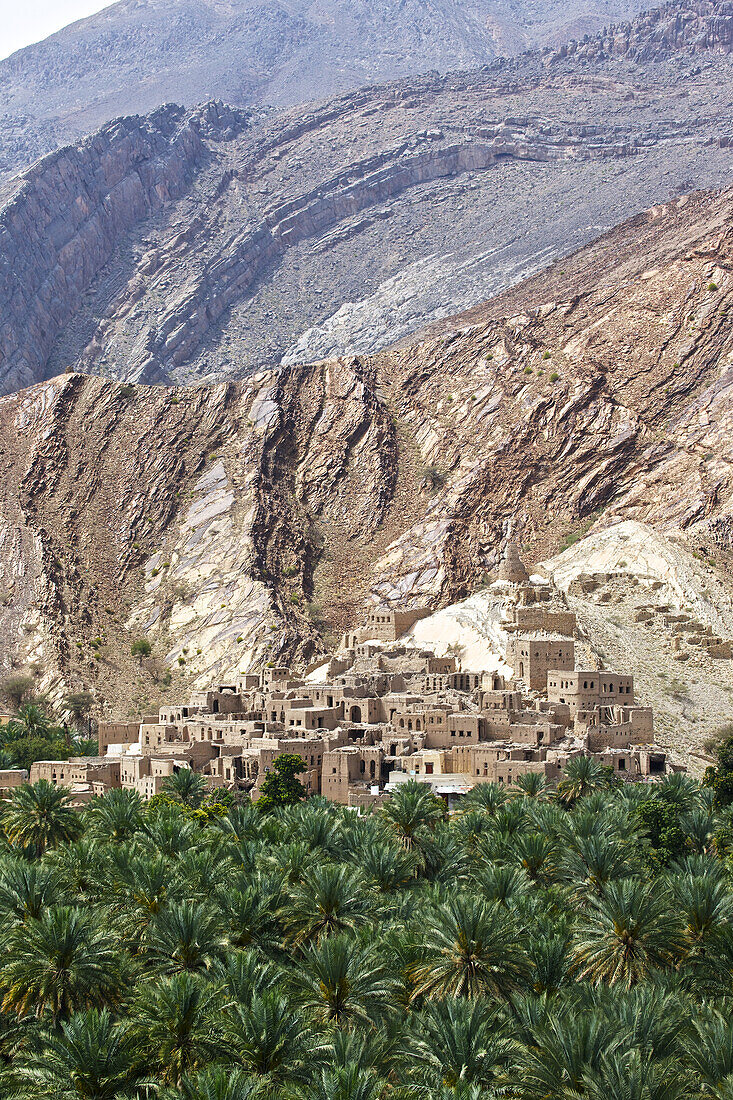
(384, 710)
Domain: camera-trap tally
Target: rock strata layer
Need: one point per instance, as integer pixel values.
(131, 57)
(247, 521)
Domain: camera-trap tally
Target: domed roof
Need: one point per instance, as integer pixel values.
(512, 569)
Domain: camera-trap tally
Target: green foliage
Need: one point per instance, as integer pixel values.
(720, 775)
(433, 478)
(35, 733)
(79, 704)
(16, 689)
(529, 946)
(281, 787)
(39, 817)
(662, 825)
(141, 647)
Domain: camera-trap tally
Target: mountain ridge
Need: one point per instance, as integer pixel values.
(306, 234)
(131, 57)
(249, 521)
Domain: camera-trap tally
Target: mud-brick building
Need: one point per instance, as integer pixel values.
(585, 689)
(532, 656)
(78, 770)
(349, 767)
(384, 624)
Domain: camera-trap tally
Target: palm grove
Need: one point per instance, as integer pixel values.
(538, 945)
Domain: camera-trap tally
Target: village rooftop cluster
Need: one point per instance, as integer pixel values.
(384, 711)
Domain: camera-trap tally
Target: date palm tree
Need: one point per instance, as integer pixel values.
(59, 964)
(83, 870)
(583, 774)
(217, 1083)
(699, 828)
(315, 826)
(186, 785)
(243, 974)
(532, 785)
(502, 883)
(538, 855)
(243, 821)
(90, 1057)
(177, 1027)
(388, 868)
(549, 952)
(331, 898)
(461, 1041)
(629, 1076)
(652, 1019)
(562, 1047)
(343, 981)
(706, 905)
(185, 936)
(39, 816)
(203, 870)
(591, 862)
(142, 885)
(681, 791)
(628, 933)
(31, 720)
(352, 1082)
(412, 808)
(487, 797)
(471, 948)
(709, 1048)
(117, 816)
(169, 831)
(26, 890)
(271, 1041)
(249, 912)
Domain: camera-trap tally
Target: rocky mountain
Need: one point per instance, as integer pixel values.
(204, 244)
(246, 521)
(137, 54)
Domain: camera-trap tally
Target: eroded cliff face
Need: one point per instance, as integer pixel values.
(191, 517)
(243, 522)
(696, 28)
(180, 247)
(70, 212)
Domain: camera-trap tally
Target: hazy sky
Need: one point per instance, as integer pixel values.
(26, 21)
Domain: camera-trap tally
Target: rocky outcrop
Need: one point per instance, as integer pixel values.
(246, 522)
(697, 27)
(132, 57)
(183, 327)
(70, 215)
(191, 517)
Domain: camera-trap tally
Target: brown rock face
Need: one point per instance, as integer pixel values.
(234, 524)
